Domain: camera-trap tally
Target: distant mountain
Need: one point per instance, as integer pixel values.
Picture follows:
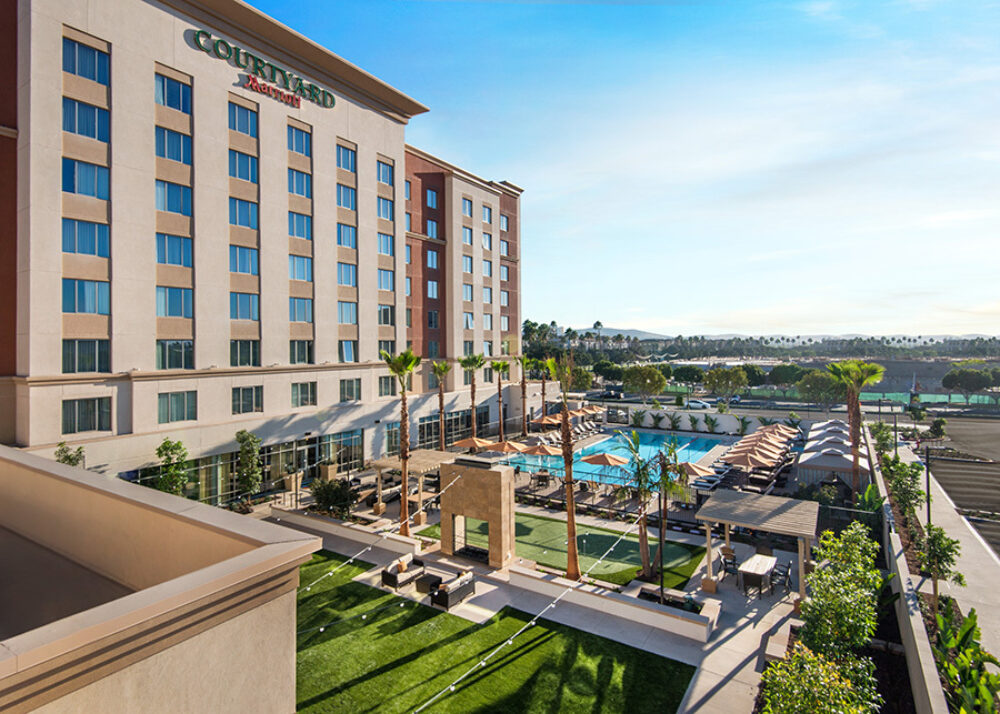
(612, 331)
(798, 339)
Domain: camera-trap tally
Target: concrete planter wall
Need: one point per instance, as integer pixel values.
(362, 535)
(694, 626)
(728, 423)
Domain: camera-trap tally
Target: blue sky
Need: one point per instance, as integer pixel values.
(707, 167)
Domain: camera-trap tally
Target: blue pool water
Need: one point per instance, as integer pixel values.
(688, 449)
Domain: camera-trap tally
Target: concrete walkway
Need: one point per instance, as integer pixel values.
(977, 562)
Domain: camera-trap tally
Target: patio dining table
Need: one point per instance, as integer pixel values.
(756, 570)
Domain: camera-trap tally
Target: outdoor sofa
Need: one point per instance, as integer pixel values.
(402, 571)
(454, 591)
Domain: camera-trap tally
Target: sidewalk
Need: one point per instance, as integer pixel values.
(977, 562)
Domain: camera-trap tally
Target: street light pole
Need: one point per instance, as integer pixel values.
(895, 435)
(927, 472)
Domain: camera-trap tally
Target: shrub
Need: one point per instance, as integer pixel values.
(693, 421)
(711, 424)
(334, 497)
(883, 436)
(961, 661)
(68, 456)
(678, 401)
(937, 428)
(658, 419)
(675, 421)
(638, 416)
(809, 682)
(744, 424)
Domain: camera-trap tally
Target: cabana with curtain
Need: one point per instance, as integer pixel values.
(817, 466)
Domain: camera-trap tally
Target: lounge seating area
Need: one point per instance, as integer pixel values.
(402, 572)
(455, 591)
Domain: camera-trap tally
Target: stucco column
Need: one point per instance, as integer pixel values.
(379, 508)
(708, 583)
(803, 549)
(419, 516)
(447, 533)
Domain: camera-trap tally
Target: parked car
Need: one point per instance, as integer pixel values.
(698, 404)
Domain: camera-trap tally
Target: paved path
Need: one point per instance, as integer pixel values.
(977, 562)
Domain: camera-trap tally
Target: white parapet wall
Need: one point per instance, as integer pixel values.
(363, 535)
(694, 626)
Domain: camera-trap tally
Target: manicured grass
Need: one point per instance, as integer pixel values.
(399, 657)
(543, 540)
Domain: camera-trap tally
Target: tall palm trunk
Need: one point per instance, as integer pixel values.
(647, 567)
(524, 403)
(854, 406)
(441, 414)
(572, 557)
(543, 395)
(404, 464)
(472, 396)
(500, 403)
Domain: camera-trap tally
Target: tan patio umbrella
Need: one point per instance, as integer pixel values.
(473, 442)
(780, 429)
(746, 461)
(604, 459)
(695, 470)
(509, 447)
(550, 419)
(594, 408)
(544, 450)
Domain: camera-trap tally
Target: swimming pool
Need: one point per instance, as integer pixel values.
(688, 449)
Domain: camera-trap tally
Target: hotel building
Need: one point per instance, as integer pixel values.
(211, 223)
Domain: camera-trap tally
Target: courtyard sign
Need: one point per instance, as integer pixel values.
(277, 81)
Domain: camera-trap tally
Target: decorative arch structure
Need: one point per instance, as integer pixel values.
(483, 491)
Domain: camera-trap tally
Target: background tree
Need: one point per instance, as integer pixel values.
(598, 326)
(643, 379)
(68, 456)
(500, 368)
(402, 366)
(173, 471)
(725, 382)
(822, 388)
(666, 370)
(441, 370)
(939, 557)
(689, 373)
(333, 497)
(809, 682)
(561, 373)
(582, 379)
(472, 364)
(967, 381)
(249, 469)
(756, 375)
(785, 375)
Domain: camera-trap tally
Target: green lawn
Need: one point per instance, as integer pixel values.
(396, 658)
(543, 540)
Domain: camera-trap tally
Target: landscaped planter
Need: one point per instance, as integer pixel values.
(363, 535)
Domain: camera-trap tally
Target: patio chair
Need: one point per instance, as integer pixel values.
(764, 549)
(782, 575)
(730, 567)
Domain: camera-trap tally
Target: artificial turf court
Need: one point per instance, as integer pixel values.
(382, 653)
(543, 540)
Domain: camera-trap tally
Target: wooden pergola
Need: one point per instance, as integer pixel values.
(774, 514)
(420, 463)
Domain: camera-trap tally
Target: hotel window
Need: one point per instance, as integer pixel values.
(347, 197)
(299, 141)
(79, 415)
(504, 273)
(85, 237)
(300, 352)
(242, 120)
(86, 296)
(487, 374)
(409, 288)
(467, 347)
(242, 166)
(504, 223)
(432, 259)
(300, 267)
(504, 323)
(347, 236)
(432, 320)
(388, 346)
(300, 309)
(248, 399)
(467, 207)
(244, 306)
(383, 173)
(86, 356)
(350, 390)
(177, 406)
(466, 263)
(432, 198)
(488, 348)
(243, 260)
(244, 353)
(90, 121)
(303, 394)
(432, 228)
(467, 291)
(432, 350)
(385, 208)
(173, 198)
(406, 190)
(409, 317)
(347, 313)
(387, 386)
(385, 244)
(300, 183)
(177, 147)
(487, 321)
(432, 289)
(467, 377)
(487, 214)
(347, 274)
(86, 179)
(300, 225)
(175, 354)
(346, 158)
(347, 351)
(487, 241)
(504, 247)
(173, 94)
(86, 62)
(466, 235)
(409, 220)
(174, 302)
(504, 298)
(487, 268)
(386, 279)
(407, 255)
(387, 315)
(469, 320)
(242, 213)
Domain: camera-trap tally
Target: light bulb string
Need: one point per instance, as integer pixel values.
(361, 615)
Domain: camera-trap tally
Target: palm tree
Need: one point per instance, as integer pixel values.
(642, 481)
(500, 368)
(473, 363)
(542, 364)
(598, 326)
(402, 365)
(672, 484)
(441, 370)
(524, 362)
(562, 373)
(855, 375)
